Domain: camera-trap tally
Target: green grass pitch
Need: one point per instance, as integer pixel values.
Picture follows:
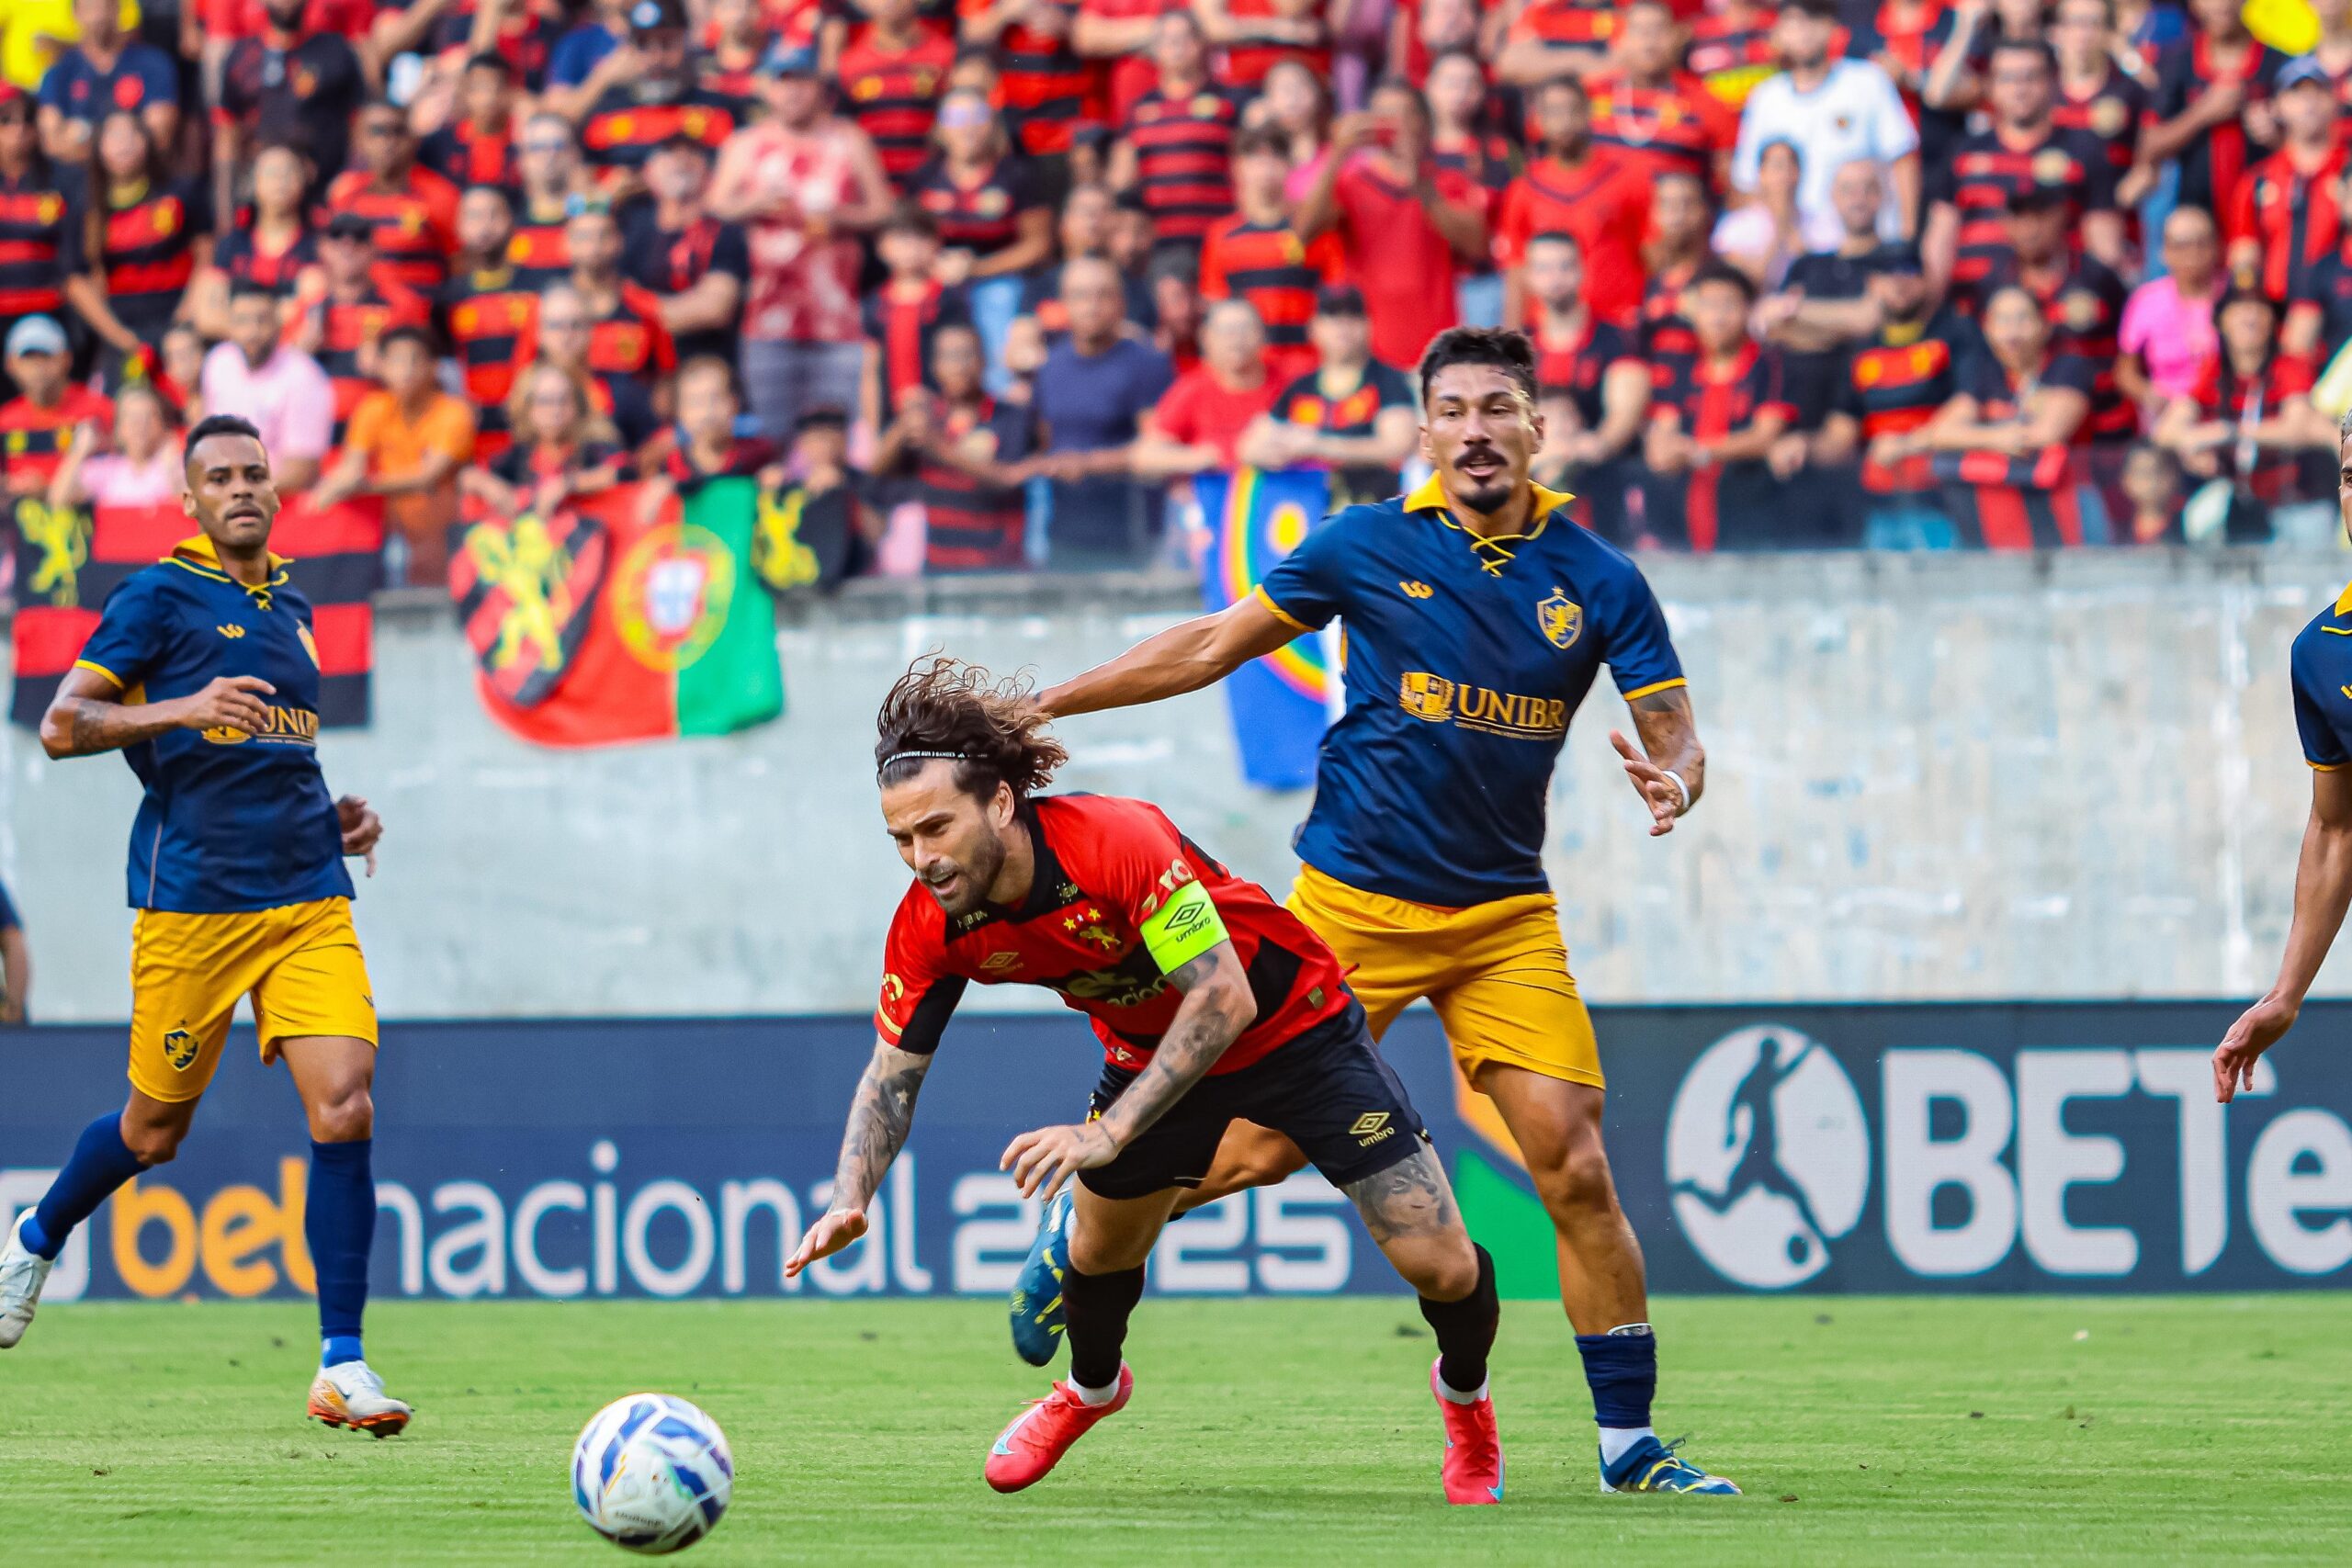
(1864, 1431)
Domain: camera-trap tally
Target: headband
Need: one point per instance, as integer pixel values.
(926, 756)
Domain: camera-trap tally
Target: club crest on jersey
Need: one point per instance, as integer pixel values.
(1560, 618)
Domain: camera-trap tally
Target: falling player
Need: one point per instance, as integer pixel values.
(1212, 1003)
(2321, 666)
(204, 674)
(1477, 615)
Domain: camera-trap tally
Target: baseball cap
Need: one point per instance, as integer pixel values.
(2301, 70)
(656, 15)
(36, 334)
(1896, 255)
(786, 61)
(1338, 299)
(350, 226)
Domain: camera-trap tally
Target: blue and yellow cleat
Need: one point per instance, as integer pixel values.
(1651, 1466)
(1037, 1318)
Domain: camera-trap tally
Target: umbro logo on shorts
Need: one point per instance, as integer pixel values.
(1370, 1127)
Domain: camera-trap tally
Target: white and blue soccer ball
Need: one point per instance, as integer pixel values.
(652, 1473)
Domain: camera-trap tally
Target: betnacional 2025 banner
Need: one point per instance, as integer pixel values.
(1898, 1148)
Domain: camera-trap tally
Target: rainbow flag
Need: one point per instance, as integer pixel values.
(1281, 704)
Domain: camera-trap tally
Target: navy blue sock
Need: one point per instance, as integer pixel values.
(1622, 1370)
(101, 1162)
(339, 1224)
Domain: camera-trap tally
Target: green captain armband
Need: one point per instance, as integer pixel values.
(1183, 928)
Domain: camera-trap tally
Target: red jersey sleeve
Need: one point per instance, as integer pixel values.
(663, 349)
(2238, 220)
(1213, 284)
(918, 994)
(1129, 854)
(1177, 417)
(2293, 375)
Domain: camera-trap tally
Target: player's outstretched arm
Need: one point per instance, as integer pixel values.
(2323, 892)
(1182, 659)
(87, 716)
(879, 1114)
(1670, 751)
(1217, 1007)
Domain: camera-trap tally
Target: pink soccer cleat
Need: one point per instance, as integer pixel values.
(1040, 1435)
(1472, 1467)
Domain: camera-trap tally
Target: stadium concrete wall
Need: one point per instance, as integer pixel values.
(1929, 777)
(1906, 1149)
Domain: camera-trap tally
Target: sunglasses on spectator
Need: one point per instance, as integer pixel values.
(563, 323)
(545, 145)
(970, 117)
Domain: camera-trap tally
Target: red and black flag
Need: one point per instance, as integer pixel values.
(67, 562)
(338, 560)
(526, 595)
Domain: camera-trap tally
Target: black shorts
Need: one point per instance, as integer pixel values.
(1328, 1091)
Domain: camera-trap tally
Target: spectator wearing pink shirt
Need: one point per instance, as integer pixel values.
(143, 468)
(274, 384)
(2167, 336)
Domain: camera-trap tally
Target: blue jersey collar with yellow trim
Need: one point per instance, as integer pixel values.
(2344, 602)
(199, 556)
(1429, 496)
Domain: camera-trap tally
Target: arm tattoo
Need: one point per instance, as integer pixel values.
(1670, 736)
(879, 1114)
(1203, 1027)
(93, 725)
(1409, 1198)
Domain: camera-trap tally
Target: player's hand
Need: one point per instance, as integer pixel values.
(361, 829)
(834, 1229)
(1043, 1161)
(230, 702)
(1657, 791)
(2257, 1029)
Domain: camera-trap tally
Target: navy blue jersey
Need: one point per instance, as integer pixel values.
(1462, 671)
(2321, 667)
(231, 822)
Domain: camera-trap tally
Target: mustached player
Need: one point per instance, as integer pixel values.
(1212, 1003)
(204, 674)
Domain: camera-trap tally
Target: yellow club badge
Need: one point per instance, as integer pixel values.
(1561, 619)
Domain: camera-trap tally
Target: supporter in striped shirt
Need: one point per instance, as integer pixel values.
(1176, 145)
(551, 170)
(1655, 116)
(1044, 82)
(478, 146)
(1550, 40)
(1252, 36)
(962, 450)
(140, 241)
(1731, 49)
(1256, 255)
(993, 220)
(275, 248)
(901, 316)
(1119, 34)
(890, 77)
(414, 209)
(2283, 221)
(485, 312)
(34, 213)
(341, 327)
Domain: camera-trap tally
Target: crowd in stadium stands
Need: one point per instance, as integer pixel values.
(1889, 272)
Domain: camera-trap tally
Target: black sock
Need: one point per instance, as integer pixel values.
(1465, 1330)
(1097, 1307)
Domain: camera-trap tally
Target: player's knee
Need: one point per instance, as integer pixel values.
(1448, 1270)
(345, 1118)
(1574, 1178)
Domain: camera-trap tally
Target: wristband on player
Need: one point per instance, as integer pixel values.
(1684, 809)
(1183, 928)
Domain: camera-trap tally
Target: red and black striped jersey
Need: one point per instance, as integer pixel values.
(2112, 112)
(347, 329)
(2084, 306)
(1667, 340)
(1243, 66)
(628, 338)
(622, 129)
(1042, 78)
(239, 254)
(1986, 169)
(2294, 213)
(1891, 387)
(1711, 400)
(148, 252)
(2278, 474)
(1679, 129)
(465, 155)
(982, 218)
(1103, 866)
(416, 224)
(539, 253)
(893, 93)
(902, 325)
(1567, 24)
(486, 317)
(2211, 165)
(33, 439)
(1731, 51)
(971, 526)
(1573, 365)
(34, 216)
(1269, 266)
(1183, 147)
(1120, 82)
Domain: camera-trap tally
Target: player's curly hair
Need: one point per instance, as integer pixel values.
(944, 707)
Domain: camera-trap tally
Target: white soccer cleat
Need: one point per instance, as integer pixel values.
(352, 1395)
(22, 1274)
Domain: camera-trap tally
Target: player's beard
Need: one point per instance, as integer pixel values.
(973, 877)
(1490, 498)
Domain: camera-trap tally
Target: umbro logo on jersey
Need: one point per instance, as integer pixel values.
(998, 963)
(230, 629)
(1414, 589)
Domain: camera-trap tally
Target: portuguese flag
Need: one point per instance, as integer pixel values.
(601, 625)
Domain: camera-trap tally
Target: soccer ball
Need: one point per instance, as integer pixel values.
(652, 1473)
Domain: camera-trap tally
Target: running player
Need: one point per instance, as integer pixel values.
(2322, 670)
(203, 673)
(1478, 617)
(1211, 1003)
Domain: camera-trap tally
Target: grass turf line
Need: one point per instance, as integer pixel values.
(1865, 1430)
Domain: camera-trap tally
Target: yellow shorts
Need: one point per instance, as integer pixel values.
(1497, 973)
(300, 963)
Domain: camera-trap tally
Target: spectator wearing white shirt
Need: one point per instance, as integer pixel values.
(1832, 112)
